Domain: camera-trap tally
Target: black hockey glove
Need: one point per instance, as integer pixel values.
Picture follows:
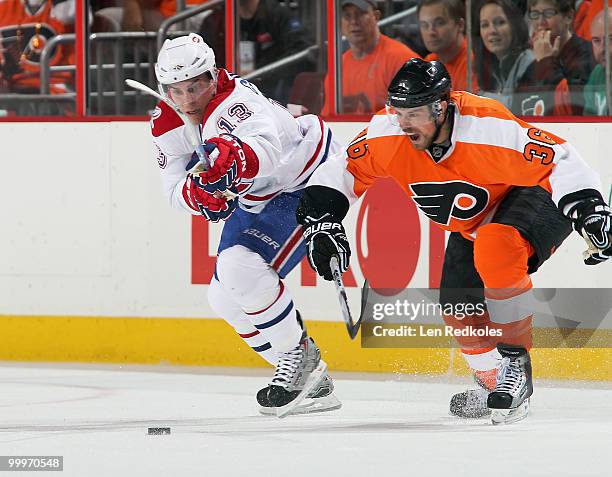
(326, 238)
(592, 219)
(321, 211)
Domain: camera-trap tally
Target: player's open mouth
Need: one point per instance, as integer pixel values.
(414, 137)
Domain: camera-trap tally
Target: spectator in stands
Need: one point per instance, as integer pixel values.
(442, 26)
(502, 59)
(168, 8)
(563, 60)
(595, 103)
(371, 61)
(582, 8)
(589, 9)
(147, 15)
(268, 31)
(140, 15)
(25, 29)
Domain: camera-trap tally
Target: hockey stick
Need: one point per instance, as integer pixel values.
(192, 130)
(351, 326)
(591, 248)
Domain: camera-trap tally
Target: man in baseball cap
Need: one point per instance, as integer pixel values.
(370, 62)
(363, 5)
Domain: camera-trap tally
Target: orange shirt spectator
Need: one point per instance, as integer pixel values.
(147, 15)
(23, 34)
(442, 27)
(581, 13)
(168, 7)
(370, 63)
(584, 27)
(457, 69)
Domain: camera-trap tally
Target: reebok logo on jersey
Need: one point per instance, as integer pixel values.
(441, 201)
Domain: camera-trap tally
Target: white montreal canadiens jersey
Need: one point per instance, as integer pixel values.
(288, 149)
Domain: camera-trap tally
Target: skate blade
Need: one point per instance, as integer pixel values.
(508, 416)
(308, 406)
(313, 380)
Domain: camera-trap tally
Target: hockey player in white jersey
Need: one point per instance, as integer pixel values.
(261, 159)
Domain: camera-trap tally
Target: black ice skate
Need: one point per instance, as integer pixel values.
(298, 372)
(509, 401)
(320, 399)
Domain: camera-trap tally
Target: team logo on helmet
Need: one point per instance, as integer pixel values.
(443, 201)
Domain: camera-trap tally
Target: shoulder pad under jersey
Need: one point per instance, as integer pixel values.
(164, 119)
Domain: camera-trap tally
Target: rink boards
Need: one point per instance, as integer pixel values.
(96, 267)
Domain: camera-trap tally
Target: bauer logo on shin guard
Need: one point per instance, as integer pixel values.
(443, 201)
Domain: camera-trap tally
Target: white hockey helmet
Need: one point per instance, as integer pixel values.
(184, 58)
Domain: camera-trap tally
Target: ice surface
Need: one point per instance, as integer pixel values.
(98, 418)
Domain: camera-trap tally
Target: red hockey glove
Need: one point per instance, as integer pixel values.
(229, 166)
(213, 206)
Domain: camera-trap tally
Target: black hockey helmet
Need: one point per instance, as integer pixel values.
(419, 82)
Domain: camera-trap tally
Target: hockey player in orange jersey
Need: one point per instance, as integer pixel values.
(507, 191)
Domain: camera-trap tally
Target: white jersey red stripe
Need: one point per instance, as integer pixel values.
(288, 150)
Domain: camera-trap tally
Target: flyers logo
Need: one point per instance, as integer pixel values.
(442, 201)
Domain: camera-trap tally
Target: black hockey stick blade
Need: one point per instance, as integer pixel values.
(365, 290)
(351, 326)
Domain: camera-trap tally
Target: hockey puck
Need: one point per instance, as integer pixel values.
(158, 431)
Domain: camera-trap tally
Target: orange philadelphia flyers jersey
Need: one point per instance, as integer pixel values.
(491, 152)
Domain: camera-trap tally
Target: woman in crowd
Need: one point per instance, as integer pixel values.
(563, 60)
(503, 60)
